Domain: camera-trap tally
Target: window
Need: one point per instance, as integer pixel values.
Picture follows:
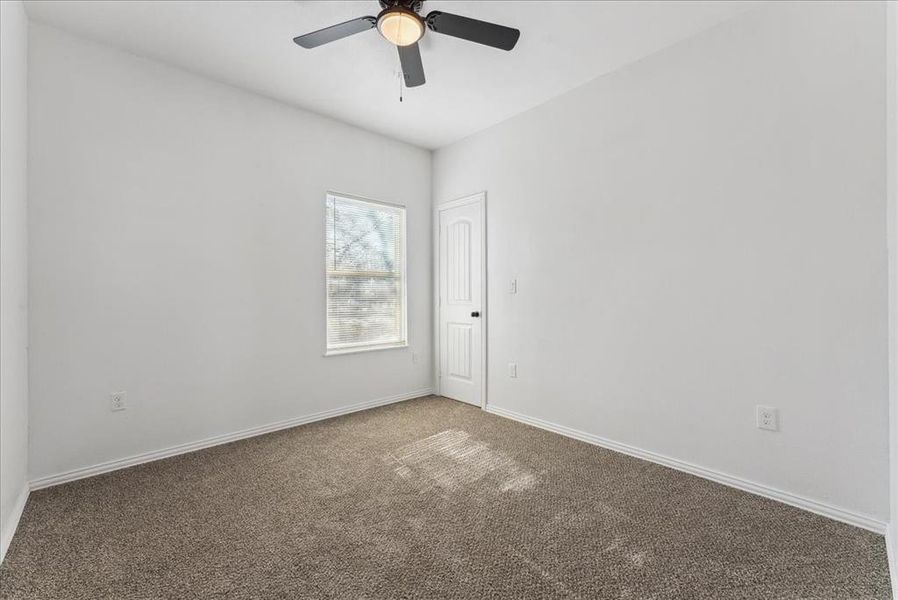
(365, 275)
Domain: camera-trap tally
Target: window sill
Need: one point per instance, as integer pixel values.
(359, 349)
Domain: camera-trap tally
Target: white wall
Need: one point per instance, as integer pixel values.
(698, 233)
(13, 267)
(177, 253)
(892, 193)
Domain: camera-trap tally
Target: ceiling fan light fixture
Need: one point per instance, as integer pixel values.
(400, 26)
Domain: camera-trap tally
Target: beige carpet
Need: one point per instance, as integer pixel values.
(426, 499)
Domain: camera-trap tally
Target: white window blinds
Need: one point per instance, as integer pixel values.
(365, 274)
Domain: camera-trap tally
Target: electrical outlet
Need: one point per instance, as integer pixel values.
(768, 418)
(513, 286)
(118, 401)
(512, 369)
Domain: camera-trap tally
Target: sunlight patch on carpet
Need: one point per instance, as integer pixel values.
(451, 459)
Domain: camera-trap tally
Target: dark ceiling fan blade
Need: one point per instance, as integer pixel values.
(412, 68)
(335, 32)
(488, 34)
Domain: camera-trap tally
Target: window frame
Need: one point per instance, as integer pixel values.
(403, 281)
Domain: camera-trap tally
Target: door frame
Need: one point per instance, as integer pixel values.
(478, 198)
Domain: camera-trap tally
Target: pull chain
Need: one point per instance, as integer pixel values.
(400, 85)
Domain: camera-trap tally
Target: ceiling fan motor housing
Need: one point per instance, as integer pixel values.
(412, 5)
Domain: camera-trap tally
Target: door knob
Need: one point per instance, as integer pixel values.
(475, 313)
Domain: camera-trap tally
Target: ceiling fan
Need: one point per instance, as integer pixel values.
(400, 23)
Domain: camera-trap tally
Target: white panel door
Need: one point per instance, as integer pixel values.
(461, 330)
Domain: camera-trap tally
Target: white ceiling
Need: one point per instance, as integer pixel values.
(469, 86)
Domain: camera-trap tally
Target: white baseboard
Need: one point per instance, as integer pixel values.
(122, 463)
(9, 528)
(892, 557)
(820, 508)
